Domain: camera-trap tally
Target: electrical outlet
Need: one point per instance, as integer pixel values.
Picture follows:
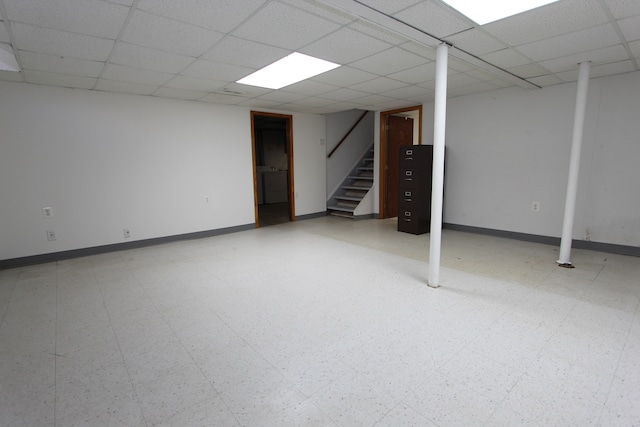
(126, 233)
(47, 212)
(51, 235)
(535, 206)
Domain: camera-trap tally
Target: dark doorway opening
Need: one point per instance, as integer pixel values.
(273, 168)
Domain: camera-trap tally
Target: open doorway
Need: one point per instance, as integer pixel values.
(397, 128)
(272, 149)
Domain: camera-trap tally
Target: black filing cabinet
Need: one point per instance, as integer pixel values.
(414, 194)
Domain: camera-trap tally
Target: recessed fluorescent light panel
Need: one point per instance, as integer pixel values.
(289, 70)
(486, 11)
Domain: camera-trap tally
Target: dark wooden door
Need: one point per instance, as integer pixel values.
(399, 132)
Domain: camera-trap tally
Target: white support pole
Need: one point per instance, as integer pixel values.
(437, 184)
(574, 166)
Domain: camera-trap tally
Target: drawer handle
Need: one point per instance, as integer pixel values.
(408, 158)
(408, 152)
(407, 213)
(408, 173)
(407, 219)
(407, 194)
(407, 200)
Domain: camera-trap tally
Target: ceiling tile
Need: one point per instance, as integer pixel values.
(635, 49)
(10, 76)
(378, 32)
(216, 71)
(548, 21)
(405, 92)
(506, 58)
(378, 85)
(579, 41)
(217, 98)
(623, 8)
(345, 46)
(223, 15)
(460, 79)
(599, 71)
(419, 74)
(527, 71)
(60, 64)
(392, 105)
(456, 64)
(167, 92)
(4, 34)
(481, 74)
(630, 28)
(434, 19)
(314, 101)
(296, 29)
(281, 96)
(343, 106)
(475, 42)
(191, 83)
(390, 6)
(344, 94)
(322, 10)
(61, 43)
(471, 89)
(544, 81)
(310, 88)
(244, 90)
(609, 54)
(135, 75)
(344, 76)
(419, 49)
(125, 87)
(89, 17)
(374, 99)
(260, 103)
(147, 58)
(125, 2)
(389, 61)
(247, 53)
(165, 34)
(64, 80)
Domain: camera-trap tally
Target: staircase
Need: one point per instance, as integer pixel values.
(353, 189)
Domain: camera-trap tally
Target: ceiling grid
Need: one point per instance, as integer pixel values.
(191, 49)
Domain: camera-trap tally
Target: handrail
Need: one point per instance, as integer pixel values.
(348, 133)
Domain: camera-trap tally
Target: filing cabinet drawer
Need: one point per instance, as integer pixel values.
(413, 222)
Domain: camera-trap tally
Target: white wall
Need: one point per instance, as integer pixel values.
(508, 148)
(310, 163)
(105, 162)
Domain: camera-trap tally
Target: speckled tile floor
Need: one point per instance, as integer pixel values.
(325, 322)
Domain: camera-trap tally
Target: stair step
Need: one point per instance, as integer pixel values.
(356, 187)
(361, 177)
(342, 208)
(341, 214)
(366, 168)
(349, 198)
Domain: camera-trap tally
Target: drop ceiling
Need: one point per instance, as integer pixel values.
(197, 49)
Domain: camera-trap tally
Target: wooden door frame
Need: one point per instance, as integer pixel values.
(290, 189)
(383, 152)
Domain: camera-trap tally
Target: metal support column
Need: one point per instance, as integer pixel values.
(574, 166)
(437, 188)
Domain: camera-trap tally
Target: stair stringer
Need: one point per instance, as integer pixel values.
(365, 207)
